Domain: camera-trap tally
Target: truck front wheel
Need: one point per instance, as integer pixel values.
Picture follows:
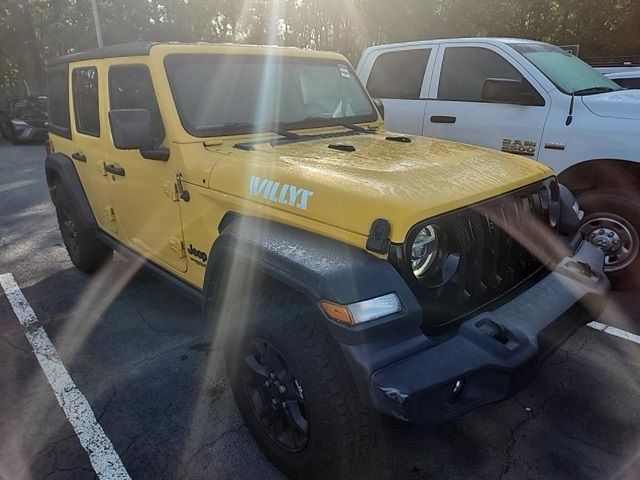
(294, 389)
(612, 223)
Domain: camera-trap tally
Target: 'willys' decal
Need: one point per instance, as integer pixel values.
(280, 193)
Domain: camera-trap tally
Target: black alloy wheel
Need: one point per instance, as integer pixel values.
(275, 395)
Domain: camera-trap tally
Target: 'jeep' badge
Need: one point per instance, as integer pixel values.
(280, 193)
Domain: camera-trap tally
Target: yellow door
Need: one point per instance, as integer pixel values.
(143, 190)
(89, 139)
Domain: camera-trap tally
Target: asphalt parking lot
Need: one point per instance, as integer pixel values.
(143, 359)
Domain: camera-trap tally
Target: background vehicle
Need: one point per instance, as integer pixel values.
(531, 99)
(344, 269)
(626, 78)
(25, 118)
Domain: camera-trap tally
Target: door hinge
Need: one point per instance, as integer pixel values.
(171, 191)
(111, 214)
(177, 245)
(102, 169)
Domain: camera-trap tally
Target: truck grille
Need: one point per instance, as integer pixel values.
(488, 249)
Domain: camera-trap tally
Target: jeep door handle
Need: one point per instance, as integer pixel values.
(79, 156)
(115, 170)
(443, 119)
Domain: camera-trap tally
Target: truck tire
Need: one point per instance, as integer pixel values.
(12, 135)
(612, 222)
(87, 253)
(295, 391)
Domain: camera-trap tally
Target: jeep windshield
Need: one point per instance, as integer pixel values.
(567, 72)
(237, 94)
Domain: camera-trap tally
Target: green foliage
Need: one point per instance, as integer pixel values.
(34, 31)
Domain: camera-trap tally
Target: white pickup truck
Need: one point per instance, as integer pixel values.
(528, 98)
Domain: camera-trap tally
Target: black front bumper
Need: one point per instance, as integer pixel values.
(491, 356)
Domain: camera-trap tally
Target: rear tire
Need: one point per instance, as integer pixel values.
(87, 253)
(612, 222)
(280, 335)
(12, 136)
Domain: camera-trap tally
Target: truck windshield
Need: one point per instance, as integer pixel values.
(567, 72)
(234, 94)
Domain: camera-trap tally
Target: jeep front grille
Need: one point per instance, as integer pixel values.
(486, 251)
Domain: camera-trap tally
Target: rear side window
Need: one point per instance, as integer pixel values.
(628, 82)
(398, 74)
(85, 100)
(130, 86)
(465, 69)
(58, 93)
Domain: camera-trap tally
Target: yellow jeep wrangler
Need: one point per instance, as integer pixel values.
(348, 270)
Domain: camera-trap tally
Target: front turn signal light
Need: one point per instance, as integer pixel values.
(364, 311)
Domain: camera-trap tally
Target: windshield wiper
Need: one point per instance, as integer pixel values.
(339, 123)
(280, 130)
(592, 90)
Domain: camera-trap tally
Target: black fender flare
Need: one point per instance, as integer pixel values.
(317, 267)
(61, 173)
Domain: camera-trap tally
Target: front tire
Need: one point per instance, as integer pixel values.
(86, 252)
(612, 222)
(294, 389)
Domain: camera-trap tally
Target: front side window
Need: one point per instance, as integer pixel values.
(130, 87)
(235, 94)
(398, 74)
(58, 93)
(567, 72)
(465, 69)
(85, 100)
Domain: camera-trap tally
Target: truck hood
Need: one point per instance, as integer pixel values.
(619, 104)
(403, 183)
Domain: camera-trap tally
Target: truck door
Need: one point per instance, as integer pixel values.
(89, 141)
(458, 110)
(400, 78)
(143, 190)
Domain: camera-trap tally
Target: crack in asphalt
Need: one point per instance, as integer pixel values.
(508, 456)
(212, 443)
(106, 406)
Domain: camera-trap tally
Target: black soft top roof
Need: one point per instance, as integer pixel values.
(120, 50)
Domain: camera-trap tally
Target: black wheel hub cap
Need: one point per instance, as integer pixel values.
(68, 231)
(275, 395)
(615, 236)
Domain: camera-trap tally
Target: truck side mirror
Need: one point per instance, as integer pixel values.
(131, 130)
(507, 90)
(380, 106)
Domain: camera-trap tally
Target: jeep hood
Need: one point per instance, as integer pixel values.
(403, 183)
(618, 104)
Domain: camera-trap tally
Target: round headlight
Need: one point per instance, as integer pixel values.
(423, 250)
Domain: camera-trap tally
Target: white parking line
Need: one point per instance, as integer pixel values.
(102, 455)
(614, 331)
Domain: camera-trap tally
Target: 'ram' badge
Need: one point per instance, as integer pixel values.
(279, 193)
(519, 147)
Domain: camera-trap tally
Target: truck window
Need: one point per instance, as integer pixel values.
(85, 100)
(465, 69)
(130, 86)
(632, 83)
(398, 74)
(58, 92)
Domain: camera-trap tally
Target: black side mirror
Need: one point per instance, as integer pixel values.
(131, 130)
(380, 106)
(507, 90)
